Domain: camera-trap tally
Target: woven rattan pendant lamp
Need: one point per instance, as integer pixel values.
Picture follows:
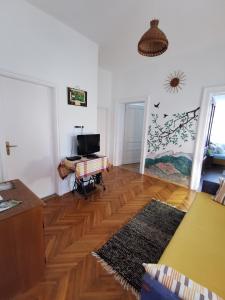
(154, 42)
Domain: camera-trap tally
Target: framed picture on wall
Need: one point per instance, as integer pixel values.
(77, 97)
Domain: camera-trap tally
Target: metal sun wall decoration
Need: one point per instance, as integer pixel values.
(175, 82)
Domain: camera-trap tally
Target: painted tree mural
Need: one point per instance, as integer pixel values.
(178, 129)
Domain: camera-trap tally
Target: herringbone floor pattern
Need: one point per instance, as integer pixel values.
(74, 227)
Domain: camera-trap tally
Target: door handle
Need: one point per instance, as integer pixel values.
(8, 146)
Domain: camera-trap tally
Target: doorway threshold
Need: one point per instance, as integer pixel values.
(135, 167)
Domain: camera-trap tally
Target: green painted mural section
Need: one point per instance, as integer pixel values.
(181, 163)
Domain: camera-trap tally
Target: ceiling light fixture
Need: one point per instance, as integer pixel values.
(154, 42)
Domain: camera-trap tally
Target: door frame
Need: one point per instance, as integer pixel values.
(202, 129)
(55, 115)
(119, 129)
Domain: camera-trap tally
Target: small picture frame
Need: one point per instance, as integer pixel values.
(77, 97)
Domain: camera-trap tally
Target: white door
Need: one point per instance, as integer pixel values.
(102, 127)
(26, 121)
(133, 130)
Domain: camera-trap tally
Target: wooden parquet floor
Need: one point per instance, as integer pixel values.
(74, 227)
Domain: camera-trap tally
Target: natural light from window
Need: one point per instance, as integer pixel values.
(218, 132)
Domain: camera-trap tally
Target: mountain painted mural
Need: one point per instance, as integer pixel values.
(171, 166)
(171, 133)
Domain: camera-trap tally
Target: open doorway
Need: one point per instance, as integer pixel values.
(213, 165)
(133, 132)
(119, 123)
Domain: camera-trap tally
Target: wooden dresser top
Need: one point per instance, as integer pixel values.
(20, 193)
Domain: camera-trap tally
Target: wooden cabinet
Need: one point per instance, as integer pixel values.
(22, 252)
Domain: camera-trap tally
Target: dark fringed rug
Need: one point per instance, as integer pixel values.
(142, 240)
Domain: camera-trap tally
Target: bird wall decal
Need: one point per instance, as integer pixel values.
(157, 105)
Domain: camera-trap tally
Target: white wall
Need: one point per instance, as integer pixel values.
(202, 69)
(105, 103)
(104, 88)
(37, 45)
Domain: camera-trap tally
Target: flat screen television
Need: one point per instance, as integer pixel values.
(88, 144)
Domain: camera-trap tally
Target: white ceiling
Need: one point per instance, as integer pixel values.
(117, 25)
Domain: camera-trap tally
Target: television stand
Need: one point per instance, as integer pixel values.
(85, 187)
(91, 156)
(87, 173)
